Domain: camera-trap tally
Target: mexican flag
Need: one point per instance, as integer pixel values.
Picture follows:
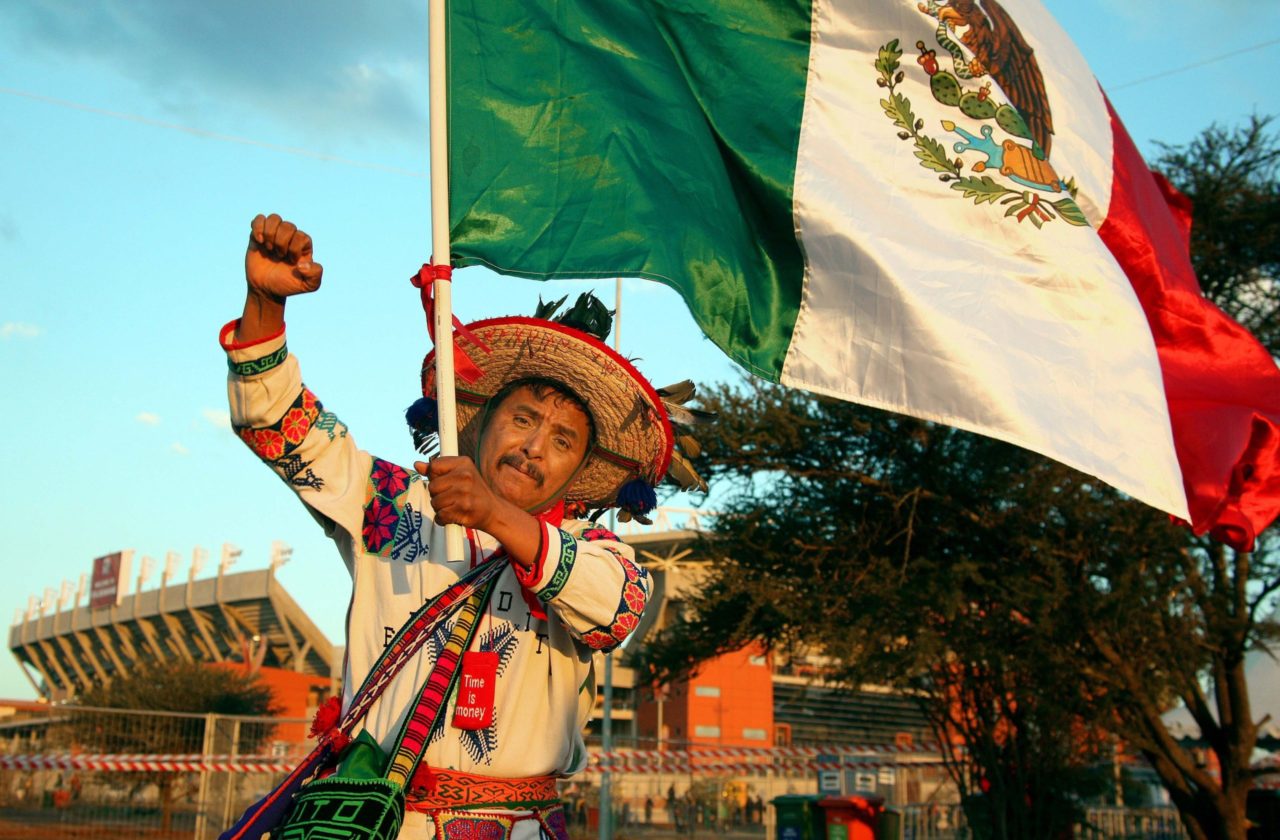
(926, 207)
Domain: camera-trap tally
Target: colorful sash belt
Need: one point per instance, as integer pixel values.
(454, 789)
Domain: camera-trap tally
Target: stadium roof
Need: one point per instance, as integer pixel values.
(230, 618)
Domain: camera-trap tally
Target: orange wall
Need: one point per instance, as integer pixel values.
(294, 693)
(726, 702)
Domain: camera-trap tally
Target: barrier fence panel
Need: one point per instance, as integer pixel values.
(102, 774)
(105, 774)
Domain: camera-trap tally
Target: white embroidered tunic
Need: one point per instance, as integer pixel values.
(584, 593)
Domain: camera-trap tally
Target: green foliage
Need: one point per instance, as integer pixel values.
(1232, 176)
(933, 155)
(1070, 212)
(184, 687)
(898, 108)
(887, 60)
(980, 189)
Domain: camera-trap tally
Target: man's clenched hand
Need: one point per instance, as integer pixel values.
(278, 261)
(277, 264)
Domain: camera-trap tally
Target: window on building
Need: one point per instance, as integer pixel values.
(706, 691)
(756, 660)
(706, 732)
(755, 734)
(782, 735)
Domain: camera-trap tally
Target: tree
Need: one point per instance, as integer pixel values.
(919, 556)
(1232, 179)
(1021, 598)
(170, 687)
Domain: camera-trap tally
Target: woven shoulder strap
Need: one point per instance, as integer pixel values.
(426, 712)
(414, 634)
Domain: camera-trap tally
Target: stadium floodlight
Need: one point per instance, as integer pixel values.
(64, 594)
(82, 588)
(281, 553)
(229, 555)
(171, 559)
(198, 558)
(145, 568)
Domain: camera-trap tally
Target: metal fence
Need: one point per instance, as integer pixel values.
(105, 773)
(102, 774)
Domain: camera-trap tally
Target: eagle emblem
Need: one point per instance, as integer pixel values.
(980, 45)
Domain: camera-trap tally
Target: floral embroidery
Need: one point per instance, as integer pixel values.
(389, 479)
(268, 443)
(392, 528)
(278, 440)
(380, 518)
(295, 425)
(597, 533)
(599, 640)
(635, 595)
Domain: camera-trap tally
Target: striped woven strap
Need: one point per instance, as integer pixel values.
(416, 731)
(414, 634)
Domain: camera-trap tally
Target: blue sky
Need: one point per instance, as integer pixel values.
(141, 136)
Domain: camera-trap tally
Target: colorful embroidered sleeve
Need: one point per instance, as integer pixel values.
(592, 583)
(285, 425)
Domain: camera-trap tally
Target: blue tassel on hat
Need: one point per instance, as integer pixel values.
(637, 497)
(423, 418)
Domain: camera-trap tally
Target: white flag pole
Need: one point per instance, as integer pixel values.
(445, 402)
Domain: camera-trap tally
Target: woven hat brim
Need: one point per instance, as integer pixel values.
(633, 433)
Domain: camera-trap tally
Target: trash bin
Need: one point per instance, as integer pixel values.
(799, 817)
(852, 817)
(891, 827)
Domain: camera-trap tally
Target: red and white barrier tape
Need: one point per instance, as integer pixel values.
(150, 763)
(777, 752)
(718, 760)
(623, 763)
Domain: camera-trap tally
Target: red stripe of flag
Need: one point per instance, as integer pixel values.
(1222, 385)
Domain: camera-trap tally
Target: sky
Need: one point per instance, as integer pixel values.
(140, 137)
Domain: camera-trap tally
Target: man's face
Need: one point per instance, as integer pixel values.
(531, 447)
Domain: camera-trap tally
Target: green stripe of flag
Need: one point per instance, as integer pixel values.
(592, 138)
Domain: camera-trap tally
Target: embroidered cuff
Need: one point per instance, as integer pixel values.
(550, 572)
(249, 358)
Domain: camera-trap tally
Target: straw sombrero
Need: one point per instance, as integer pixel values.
(635, 444)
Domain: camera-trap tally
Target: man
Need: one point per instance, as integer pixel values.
(547, 416)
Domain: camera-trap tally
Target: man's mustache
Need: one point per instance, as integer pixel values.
(513, 460)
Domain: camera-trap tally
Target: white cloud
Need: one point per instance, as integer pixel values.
(217, 417)
(368, 68)
(148, 418)
(17, 329)
(179, 448)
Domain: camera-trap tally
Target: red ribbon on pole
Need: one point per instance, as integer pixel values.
(464, 366)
